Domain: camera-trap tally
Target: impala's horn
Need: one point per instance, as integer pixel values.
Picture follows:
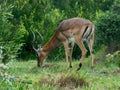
(41, 37)
(33, 41)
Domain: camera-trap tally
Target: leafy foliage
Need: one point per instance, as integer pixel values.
(107, 31)
(18, 17)
(10, 38)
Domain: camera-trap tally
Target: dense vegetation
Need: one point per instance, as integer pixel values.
(18, 17)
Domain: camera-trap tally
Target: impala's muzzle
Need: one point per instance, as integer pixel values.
(40, 61)
(39, 64)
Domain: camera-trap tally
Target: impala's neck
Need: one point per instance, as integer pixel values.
(51, 44)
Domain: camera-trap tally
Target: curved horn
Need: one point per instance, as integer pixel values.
(33, 41)
(41, 37)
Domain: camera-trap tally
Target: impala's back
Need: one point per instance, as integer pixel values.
(76, 26)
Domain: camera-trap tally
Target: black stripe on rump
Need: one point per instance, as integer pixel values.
(89, 34)
(84, 31)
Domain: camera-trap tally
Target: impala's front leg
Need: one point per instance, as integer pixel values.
(90, 45)
(71, 45)
(65, 43)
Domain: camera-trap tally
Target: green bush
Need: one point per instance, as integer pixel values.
(107, 30)
(10, 38)
(18, 17)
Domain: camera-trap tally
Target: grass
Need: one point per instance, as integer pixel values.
(55, 76)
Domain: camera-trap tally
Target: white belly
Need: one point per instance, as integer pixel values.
(71, 40)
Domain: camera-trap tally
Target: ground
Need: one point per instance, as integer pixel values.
(55, 76)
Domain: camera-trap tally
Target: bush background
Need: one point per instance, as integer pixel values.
(18, 17)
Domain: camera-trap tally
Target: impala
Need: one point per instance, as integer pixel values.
(69, 31)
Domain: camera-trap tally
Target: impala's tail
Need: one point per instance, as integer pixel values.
(88, 32)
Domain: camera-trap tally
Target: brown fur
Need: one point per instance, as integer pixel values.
(70, 28)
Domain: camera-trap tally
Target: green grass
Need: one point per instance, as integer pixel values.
(55, 76)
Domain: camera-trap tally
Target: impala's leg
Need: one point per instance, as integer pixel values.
(90, 45)
(65, 43)
(71, 45)
(83, 49)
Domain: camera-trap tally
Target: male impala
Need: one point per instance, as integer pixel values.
(69, 31)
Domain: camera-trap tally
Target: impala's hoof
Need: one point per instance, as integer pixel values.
(92, 67)
(39, 65)
(70, 66)
(80, 65)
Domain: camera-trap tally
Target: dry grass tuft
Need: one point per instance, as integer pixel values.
(69, 80)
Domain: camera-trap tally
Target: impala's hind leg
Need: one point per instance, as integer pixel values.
(83, 49)
(90, 45)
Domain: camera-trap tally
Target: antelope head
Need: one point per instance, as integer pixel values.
(39, 51)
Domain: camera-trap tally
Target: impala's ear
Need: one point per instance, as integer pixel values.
(40, 47)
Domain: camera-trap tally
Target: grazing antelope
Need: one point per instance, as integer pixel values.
(69, 31)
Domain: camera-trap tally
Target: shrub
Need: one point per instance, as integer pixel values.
(107, 30)
(10, 38)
